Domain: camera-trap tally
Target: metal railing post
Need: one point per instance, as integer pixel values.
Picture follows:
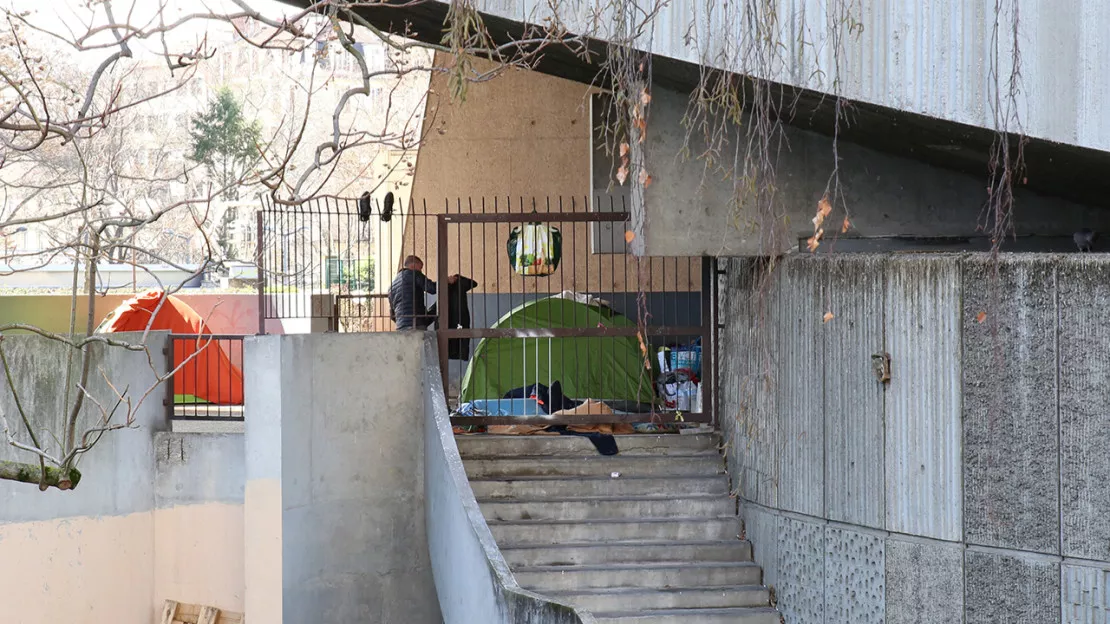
(168, 401)
(441, 298)
(260, 274)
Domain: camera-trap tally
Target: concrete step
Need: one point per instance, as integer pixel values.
(525, 532)
(561, 487)
(632, 599)
(596, 507)
(697, 464)
(625, 552)
(645, 575)
(750, 615)
(565, 445)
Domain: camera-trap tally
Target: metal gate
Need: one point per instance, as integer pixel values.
(599, 319)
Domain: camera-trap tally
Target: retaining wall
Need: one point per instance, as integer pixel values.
(974, 487)
(334, 520)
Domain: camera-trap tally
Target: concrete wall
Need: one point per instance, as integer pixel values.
(84, 555)
(334, 519)
(198, 519)
(545, 149)
(974, 486)
(473, 581)
(156, 516)
(688, 211)
(933, 59)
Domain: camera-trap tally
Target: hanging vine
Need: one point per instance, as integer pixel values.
(1006, 166)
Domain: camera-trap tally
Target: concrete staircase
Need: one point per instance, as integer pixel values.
(657, 544)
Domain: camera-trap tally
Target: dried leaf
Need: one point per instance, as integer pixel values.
(828, 317)
(643, 347)
(645, 97)
(624, 150)
(980, 317)
(815, 241)
(823, 210)
(824, 207)
(645, 179)
(847, 224)
(629, 236)
(622, 174)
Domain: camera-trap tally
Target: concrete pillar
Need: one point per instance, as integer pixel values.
(335, 490)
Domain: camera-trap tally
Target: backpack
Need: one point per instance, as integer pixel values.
(535, 249)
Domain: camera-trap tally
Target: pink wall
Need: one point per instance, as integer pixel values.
(226, 313)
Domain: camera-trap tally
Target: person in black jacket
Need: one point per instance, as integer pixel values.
(458, 315)
(406, 295)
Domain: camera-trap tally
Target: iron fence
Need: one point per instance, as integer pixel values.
(525, 295)
(330, 260)
(207, 383)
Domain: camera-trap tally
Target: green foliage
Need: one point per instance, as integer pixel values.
(225, 141)
(351, 275)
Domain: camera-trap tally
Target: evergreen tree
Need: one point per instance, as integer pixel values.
(225, 141)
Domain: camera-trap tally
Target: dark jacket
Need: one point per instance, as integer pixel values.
(406, 299)
(458, 315)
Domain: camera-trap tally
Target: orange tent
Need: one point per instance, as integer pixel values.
(210, 376)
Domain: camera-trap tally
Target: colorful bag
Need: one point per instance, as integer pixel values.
(535, 249)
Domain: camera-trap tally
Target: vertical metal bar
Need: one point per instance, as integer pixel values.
(170, 399)
(286, 255)
(512, 269)
(602, 341)
(707, 355)
(496, 290)
(196, 372)
(260, 273)
(486, 286)
(310, 261)
(273, 300)
(587, 341)
(562, 320)
(288, 264)
(275, 267)
(441, 296)
(219, 380)
(318, 264)
(327, 251)
(299, 255)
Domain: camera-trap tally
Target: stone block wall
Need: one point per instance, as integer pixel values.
(974, 486)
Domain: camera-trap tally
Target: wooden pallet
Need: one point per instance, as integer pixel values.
(180, 613)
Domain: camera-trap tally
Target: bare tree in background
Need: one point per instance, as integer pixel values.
(69, 167)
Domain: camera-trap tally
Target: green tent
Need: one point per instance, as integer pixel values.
(587, 367)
